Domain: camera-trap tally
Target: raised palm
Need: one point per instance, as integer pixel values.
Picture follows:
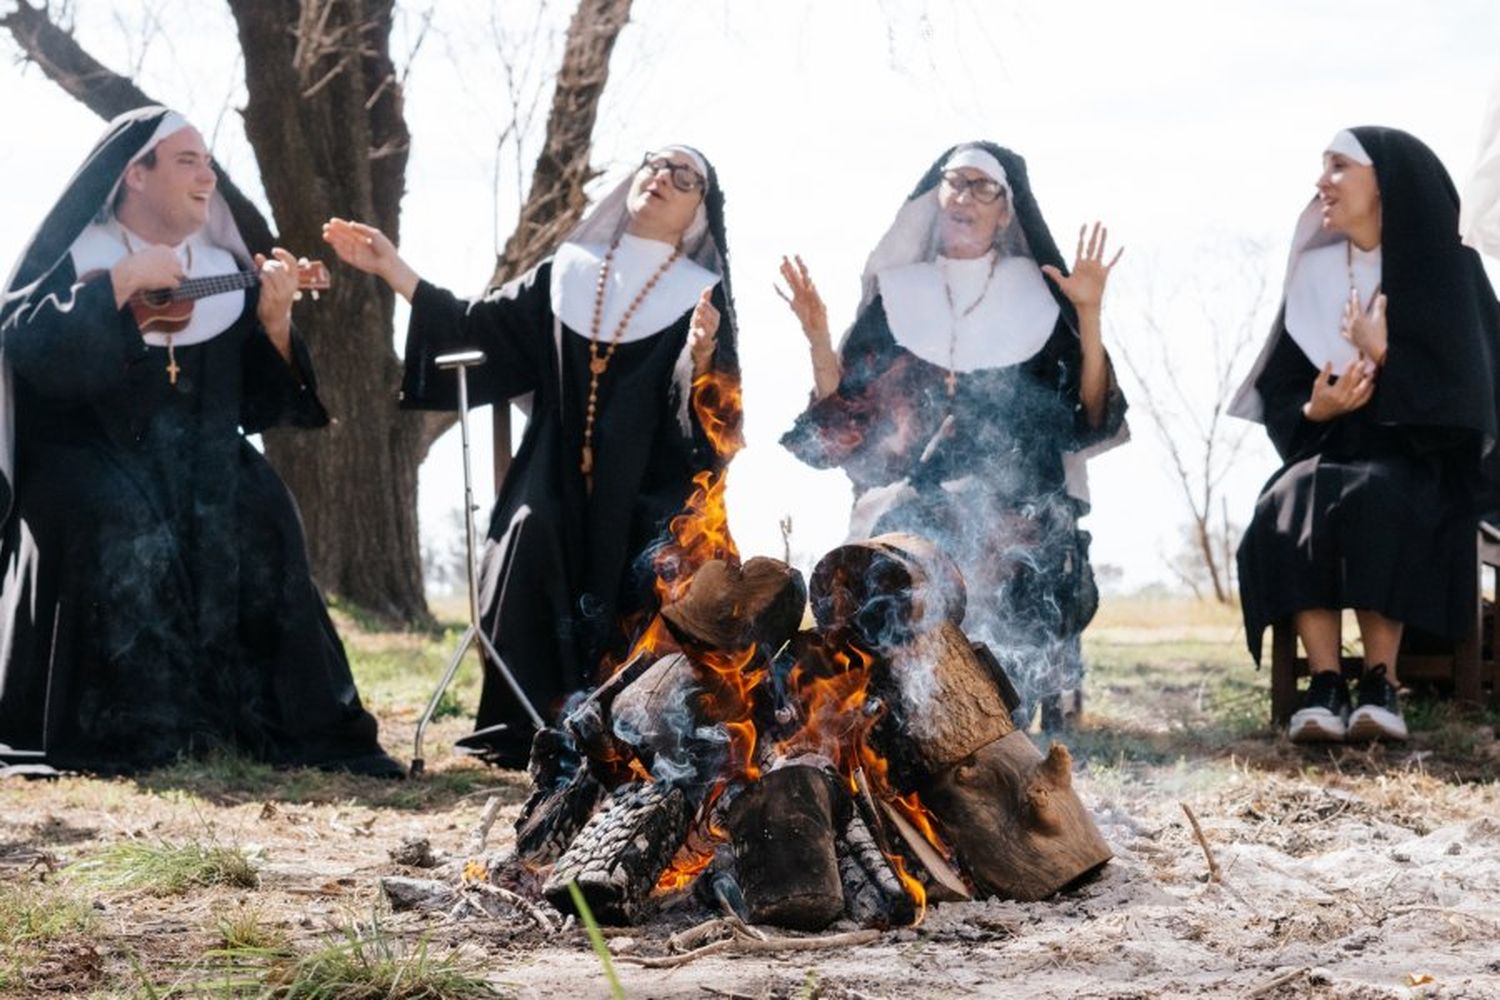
(360, 246)
(1084, 287)
(803, 298)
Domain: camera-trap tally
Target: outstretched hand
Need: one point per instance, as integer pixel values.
(807, 305)
(368, 249)
(1085, 286)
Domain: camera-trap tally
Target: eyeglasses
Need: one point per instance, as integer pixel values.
(986, 190)
(684, 177)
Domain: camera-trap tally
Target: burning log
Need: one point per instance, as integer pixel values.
(588, 723)
(784, 829)
(887, 589)
(564, 795)
(666, 718)
(873, 895)
(622, 851)
(946, 702)
(729, 607)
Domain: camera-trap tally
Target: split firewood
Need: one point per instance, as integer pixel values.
(588, 724)
(783, 828)
(1013, 818)
(729, 607)
(667, 717)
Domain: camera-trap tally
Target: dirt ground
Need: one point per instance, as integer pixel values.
(1350, 872)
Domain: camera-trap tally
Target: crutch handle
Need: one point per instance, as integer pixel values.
(460, 359)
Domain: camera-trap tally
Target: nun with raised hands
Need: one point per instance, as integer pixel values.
(607, 340)
(1377, 387)
(964, 399)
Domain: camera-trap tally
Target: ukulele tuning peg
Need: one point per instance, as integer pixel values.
(297, 296)
(315, 296)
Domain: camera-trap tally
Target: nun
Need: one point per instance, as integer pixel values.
(964, 401)
(156, 600)
(606, 340)
(1377, 387)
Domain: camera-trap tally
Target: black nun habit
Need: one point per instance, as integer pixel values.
(156, 599)
(1002, 487)
(580, 568)
(1375, 509)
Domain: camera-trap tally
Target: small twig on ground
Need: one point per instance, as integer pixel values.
(481, 832)
(1420, 908)
(520, 902)
(1278, 982)
(1214, 874)
(743, 945)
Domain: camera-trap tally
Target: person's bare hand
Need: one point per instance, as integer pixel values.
(1085, 286)
(804, 300)
(368, 249)
(1331, 399)
(703, 330)
(156, 268)
(1366, 329)
(278, 288)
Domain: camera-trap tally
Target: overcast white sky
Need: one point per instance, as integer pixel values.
(1189, 127)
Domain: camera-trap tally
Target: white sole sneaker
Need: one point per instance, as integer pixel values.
(1371, 722)
(1316, 725)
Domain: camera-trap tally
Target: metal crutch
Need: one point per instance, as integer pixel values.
(461, 363)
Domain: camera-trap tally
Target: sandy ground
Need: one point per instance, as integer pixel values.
(1348, 873)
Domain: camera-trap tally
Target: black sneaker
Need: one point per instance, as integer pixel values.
(1378, 716)
(1325, 707)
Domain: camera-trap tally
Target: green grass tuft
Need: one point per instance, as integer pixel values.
(368, 964)
(31, 914)
(164, 869)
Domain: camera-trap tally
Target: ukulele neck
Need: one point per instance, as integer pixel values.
(198, 288)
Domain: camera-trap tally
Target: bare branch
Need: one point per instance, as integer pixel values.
(107, 93)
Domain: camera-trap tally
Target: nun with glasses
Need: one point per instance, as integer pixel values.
(965, 399)
(606, 341)
(1378, 388)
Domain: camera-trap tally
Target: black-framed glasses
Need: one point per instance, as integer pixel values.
(985, 190)
(684, 177)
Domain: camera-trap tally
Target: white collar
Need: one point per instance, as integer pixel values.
(1316, 293)
(575, 282)
(102, 244)
(1011, 322)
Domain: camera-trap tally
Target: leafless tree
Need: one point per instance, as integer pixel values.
(1187, 403)
(324, 116)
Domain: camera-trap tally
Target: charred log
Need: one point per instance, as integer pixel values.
(622, 852)
(873, 894)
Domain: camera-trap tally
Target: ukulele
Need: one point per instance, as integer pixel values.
(167, 310)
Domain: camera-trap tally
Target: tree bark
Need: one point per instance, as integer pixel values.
(325, 119)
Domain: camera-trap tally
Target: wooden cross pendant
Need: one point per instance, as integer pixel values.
(172, 368)
(952, 380)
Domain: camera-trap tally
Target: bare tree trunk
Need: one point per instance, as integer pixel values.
(325, 119)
